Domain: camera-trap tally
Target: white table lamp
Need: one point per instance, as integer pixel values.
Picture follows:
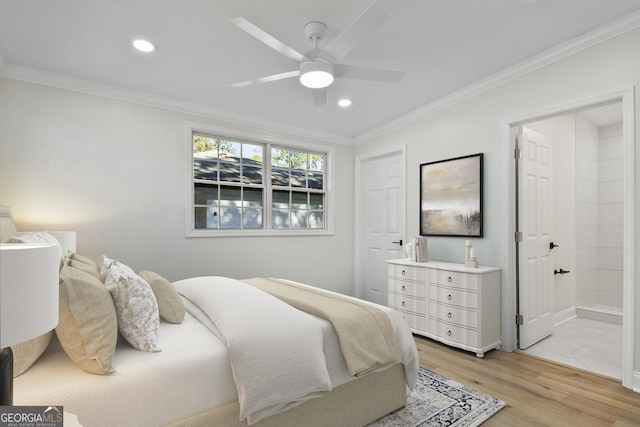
(29, 275)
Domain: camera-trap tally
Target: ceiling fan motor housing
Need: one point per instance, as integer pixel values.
(315, 31)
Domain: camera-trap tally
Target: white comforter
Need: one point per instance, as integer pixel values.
(276, 351)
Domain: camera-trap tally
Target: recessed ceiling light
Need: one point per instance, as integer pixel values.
(344, 102)
(144, 45)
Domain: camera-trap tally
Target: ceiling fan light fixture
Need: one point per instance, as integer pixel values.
(316, 74)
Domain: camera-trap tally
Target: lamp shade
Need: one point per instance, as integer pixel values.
(28, 291)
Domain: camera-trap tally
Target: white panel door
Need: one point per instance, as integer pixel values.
(535, 222)
(383, 213)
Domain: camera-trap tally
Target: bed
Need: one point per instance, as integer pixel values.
(195, 380)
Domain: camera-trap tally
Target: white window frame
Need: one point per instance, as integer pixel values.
(269, 139)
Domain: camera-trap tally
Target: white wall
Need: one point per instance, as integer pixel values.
(610, 208)
(476, 125)
(587, 211)
(115, 172)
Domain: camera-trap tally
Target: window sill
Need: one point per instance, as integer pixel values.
(257, 233)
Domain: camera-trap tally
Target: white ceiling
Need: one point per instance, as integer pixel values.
(443, 45)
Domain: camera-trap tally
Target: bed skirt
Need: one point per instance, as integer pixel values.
(355, 403)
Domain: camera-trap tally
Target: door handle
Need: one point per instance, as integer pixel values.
(561, 271)
(552, 245)
(398, 242)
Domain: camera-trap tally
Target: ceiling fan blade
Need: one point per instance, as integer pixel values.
(319, 96)
(267, 79)
(358, 30)
(365, 73)
(268, 39)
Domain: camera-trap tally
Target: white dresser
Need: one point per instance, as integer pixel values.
(448, 302)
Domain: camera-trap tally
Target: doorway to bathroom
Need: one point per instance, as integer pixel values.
(572, 291)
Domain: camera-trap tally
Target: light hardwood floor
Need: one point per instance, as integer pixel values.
(537, 393)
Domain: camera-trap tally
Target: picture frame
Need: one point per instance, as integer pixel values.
(451, 197)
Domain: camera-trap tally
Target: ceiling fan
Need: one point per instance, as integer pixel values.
(318, 68)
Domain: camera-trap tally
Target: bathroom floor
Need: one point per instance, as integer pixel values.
(586, 344)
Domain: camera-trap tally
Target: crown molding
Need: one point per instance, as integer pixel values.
(32, 75)
(591, 38)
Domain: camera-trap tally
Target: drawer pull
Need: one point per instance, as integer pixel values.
(403, 288)
(449, 333)
(449, 297)
(403, 303)
(449, 315)
(403, 272)
(449, 279)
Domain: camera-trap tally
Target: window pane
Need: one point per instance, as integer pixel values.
(251, 175)
(316, 180)
(229, 172)
(299, 200)
(280, 219)
(280, 177)
(205, 194)
(252, 218)
(205, 169)
(316, 201)
(206, 218)
(252, 154)
(230, 196)
(279, 157)
(205, 147)
(252, 197)
(316, 162)
(280, 200)
(298, 160)
(316, 220)
(230, 218)
(299, 219)
(298, 178)
(230, 151)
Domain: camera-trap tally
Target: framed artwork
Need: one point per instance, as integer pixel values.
(451, 197)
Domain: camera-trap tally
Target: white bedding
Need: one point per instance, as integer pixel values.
(190, 375)
(276, 351)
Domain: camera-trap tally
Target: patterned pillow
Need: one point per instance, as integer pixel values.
(136, 306)
(170, 303)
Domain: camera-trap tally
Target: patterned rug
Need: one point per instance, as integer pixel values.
(439, 401)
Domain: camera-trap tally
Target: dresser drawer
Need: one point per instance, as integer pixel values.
(415, 274)
(403, 302)
(453, 297)
(405, 287)
(453, 333)
(457, 316)
(454, 279)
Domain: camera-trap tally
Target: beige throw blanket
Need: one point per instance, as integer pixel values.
(365, 332)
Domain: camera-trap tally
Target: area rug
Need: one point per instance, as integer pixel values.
(439, 401)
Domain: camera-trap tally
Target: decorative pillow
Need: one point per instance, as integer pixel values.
(170, 304)
(136, 306)
(87, 325)
(85, 260)
(25, 354)
(37, 237)
(85, 267)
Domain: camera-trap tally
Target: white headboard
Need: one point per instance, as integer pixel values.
(7, 227)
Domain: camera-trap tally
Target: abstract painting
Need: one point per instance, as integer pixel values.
(451, 197)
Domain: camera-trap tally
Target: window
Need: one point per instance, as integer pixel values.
(239, 186)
